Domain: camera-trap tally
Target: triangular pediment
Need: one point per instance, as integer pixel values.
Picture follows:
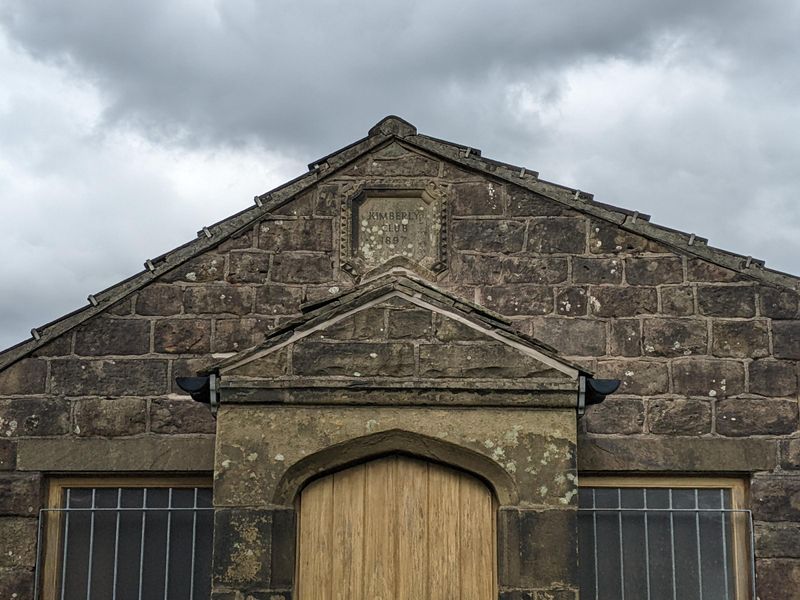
(398, 328)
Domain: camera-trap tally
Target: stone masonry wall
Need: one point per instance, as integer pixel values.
(708, 357)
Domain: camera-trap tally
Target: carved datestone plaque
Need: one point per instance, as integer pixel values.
(391, 227)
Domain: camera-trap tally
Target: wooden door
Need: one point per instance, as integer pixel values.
(396, 528)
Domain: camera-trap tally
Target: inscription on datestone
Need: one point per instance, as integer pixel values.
(405, 227)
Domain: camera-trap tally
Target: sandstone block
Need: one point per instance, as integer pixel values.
(702, 271)
(756, 416)
(302, 268)
(278, 300)
(102, 336)
(557, 235)
(773, 377)
(653, 271)
(128, 377)
(16, 584)
(27, 376)
(20, 494)
(605, 238)
(159, 300)
(201, 269)
(519, 299)
(450, 330)
(625, 337)
(273, 364)
(233, 335)
(488, 235)
(524, 203)
(367, 324)
(315, 235)
(707, 377)
(726, 301)
(477, 269)
(218, 298)
(24, 417)
(679, 417)
(182, 336)
(483, 198)
(238, 241)
(776, 578)
(607, 301)
(776, 498)
(110, 417)
(786, 339)
(677, 300)
(740, 339)
(8, 455)
(478, 360)
(638, 377)
(790, 454)
(17, 542)
(675, 337)
(180, 416)
(572, 302)
(248, 267)
(242, 547)
(572, 337)
(392, 359)
(778, 303)
(615, 415)
(596, 270)
(778, 540)
(411, 323)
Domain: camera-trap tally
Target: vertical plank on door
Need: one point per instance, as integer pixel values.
(477, 548)
(443, 534)
(316, 540)
(379, 547)
(411, 529)
(348, 533)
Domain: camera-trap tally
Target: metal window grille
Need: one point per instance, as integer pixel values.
(664, 544)
(126, 544)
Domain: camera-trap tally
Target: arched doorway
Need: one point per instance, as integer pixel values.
(397, 528)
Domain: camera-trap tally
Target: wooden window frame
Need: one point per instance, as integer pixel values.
(55, 497)
(739, 489)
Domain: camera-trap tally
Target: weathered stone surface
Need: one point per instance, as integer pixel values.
(218, 298)
(23, 417)
(677, 300)
(519, 299)
(707, 377)
(625, 338)
(572, 302)
(488, 236)
(703, 271)
(189, 367)
(103, 336)
(607, 301)
(27, 376)
(408, 165)
(390, 359)
(778, 303)
(129, 377)
(776, 498)
(8, 454)
(17, 542)
(110, 417)
(314, 235)
(786, 339)
(182, 336)
(740, 339)
(615, 415)
(523, 203)
(278, 299)
(675, 454)
(180, 416)
(778, 540)
(366, 324)
(756, 416)
(242, 547)
(450, 330)
(638, 377)
(679, 416)
(302, 268)
(596, 270)
(776, 578)
(122, 308)
(248, 267)
(480, 269)
(726, 301)
(61, 346)
(20, 494)
(142, 453)
(238, 241)
(16, 584)
(233, 335)
(159, 300)
(204, 268)
(605, 238)
(572, 337)
(478, 360)
(557, 235)
(273, 364)
(654, 271)
(477, 199)
(790, 454)
(675, 337)
(412, 323)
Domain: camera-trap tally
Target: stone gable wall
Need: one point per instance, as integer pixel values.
(708, 357)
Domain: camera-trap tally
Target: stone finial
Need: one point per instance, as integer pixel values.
(393, 125)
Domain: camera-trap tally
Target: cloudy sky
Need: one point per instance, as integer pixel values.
(127, 126)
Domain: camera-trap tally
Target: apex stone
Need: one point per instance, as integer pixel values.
(393, 125)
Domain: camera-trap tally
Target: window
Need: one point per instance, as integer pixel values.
(126, 539)
(664, 538)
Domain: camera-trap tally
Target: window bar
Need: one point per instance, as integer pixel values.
(91, 548)
(594, 542)
(141, 549)
(64, 558)
(724, 544)
(672, 546)
(697, 536)
(194, 545)
(169, 526)
(43, 516)
(621, 546)
(646, 547)
(116, 545)
(752, 553)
